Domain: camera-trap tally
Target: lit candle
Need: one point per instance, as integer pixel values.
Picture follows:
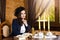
(48, 24)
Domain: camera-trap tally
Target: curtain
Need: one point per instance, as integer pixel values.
(38, 7)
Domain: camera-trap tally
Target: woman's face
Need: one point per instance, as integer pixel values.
(23, 14)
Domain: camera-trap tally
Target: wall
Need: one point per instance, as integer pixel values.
(11, 5)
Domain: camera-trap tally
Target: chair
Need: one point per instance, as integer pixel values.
(5, 29)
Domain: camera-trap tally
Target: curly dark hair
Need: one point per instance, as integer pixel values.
(18, 10)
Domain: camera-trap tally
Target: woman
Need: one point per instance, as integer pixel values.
(20, 25)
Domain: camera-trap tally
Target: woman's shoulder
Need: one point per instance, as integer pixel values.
(14, 21)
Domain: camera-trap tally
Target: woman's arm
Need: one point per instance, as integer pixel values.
(15, 28)
(28, 28)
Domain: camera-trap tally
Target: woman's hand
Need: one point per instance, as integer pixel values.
(25, 22)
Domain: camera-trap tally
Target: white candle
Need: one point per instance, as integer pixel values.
(44, 22)
(44, 25)
(48, 23)
(39, 22)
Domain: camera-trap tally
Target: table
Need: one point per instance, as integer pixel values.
(14, 38)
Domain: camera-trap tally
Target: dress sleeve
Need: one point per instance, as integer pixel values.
(28, 28)
(14, 28)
